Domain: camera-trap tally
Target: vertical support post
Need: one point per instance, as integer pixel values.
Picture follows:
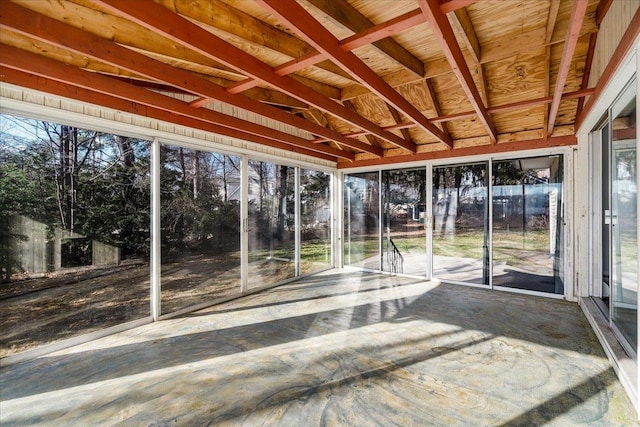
(348, 224)
(568, 206)
(297, 221)
(380, 219)
(155, 299)
(490, 219)
(337, 223)
(428, 221)
(637, 217)
(244, 224)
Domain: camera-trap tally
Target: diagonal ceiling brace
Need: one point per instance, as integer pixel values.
(160, 19)
(370, 35)
(28, 62)
(444, 33)
(321, 39)
(35, 25)
(573, 33)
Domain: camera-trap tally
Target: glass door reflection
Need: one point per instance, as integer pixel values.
(361, 220)
(404, 241)
(623, 217)
(271, 209)
(460, 224)
(527, 224)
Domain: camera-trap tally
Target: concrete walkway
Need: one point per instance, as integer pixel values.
(342, 348)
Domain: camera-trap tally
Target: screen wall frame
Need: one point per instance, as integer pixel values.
(567, 206)
(156, 138)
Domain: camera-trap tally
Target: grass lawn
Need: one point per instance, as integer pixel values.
(513, 247)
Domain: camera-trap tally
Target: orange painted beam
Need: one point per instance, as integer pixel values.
(444, 33)
(363, 38)
(281, 70)
(573, 33)
(601, 11)
(578, 94)
(43, 28)
(42, 84)
(587, 69)
(180, 30)
(28, 62)
(488, 149)
(314, 33)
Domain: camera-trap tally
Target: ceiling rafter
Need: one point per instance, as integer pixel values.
(435, 105)
(32, 81)
(19, 19)
(351, 18)
(226, 18)
(578, 12)
(492, 51)
(367, 36)
(180, 30)
(601, 12)
(321, 120)
(587, 69)
(372, 139)
(503, 147)
(28, 62)
(623, 48)
(321, 39)
(461, 20)
(554, 7)
(444, 33)
(504, 108)
(398, 119)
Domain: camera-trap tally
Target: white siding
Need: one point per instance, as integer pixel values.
(612, 28)
(29, 103)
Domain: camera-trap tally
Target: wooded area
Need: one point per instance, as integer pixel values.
(75, 228)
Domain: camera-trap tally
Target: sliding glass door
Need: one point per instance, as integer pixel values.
(315, 221)
(271, 223)
(461, 223)
(491, 223)
(361, 220)
(528, 224)
(200, 212)
(404, 243)
(623, 217)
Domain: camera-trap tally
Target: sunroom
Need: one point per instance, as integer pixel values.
(161, 157)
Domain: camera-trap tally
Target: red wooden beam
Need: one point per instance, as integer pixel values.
(42, 84)
(444, 33)
(323, 41)
(368, 36)
(38, 26)
(587, 69)
(466, 115)
(601, 11)
(504, 147)
(31, 63)
(573, 33)
(173, 26)
(281, 70)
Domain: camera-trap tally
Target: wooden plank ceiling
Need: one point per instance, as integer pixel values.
(358, 82)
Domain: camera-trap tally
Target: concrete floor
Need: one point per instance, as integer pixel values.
(342, 348)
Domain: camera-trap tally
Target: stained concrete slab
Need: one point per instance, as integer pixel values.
(340, 348)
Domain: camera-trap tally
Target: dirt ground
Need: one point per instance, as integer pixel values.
(44, 310)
